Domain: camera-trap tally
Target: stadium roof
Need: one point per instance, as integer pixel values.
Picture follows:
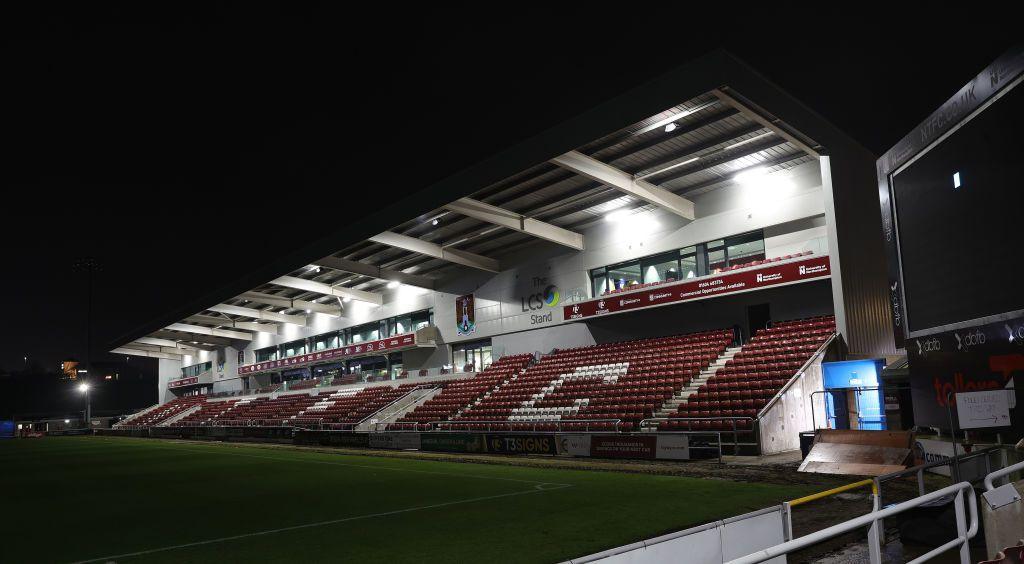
(686, 133)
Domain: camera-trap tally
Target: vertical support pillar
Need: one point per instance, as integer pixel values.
(832, 229)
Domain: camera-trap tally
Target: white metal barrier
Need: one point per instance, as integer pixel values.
(711, 543)
(992, 477)
(966, 529)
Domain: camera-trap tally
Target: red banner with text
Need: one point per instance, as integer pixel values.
(390, 344)
(711, 286)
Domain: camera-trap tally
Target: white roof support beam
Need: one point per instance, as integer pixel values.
(164, 343)
(259, 314)
(499, 216)
(356, 267)
(155, 348)
(271, 328)
(150, 354)
(278, 301)
(624, 182)
(201, 342)
(437, 251)
(772, 125)
(200, 330)
(321, 288)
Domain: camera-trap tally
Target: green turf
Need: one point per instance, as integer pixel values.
(83, 498)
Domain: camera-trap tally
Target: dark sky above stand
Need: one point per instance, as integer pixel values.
(183, 147)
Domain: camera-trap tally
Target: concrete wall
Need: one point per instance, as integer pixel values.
(167, 370)
(542, 341)
(795, 411)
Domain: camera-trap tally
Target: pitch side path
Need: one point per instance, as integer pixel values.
(103, 499)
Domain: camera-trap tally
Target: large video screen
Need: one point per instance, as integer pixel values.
(960, 219)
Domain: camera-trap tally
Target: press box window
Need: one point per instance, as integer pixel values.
(660, 268)
(293, 348)
(264, 355)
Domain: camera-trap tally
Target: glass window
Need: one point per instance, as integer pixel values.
(716, 256)
(474, 356)
(264, 355)
(401, 324)
(196, 369)
(293, 348)
(420, 319)
(688, 263)
(745, 249)
(324, 342)
(660, 268)
(599, 281)
(368, 332)
(624, 275)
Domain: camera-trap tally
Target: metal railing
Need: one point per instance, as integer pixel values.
(963, 493)
(561, 425)
(993, 476)
(647, 423)
(953, 462)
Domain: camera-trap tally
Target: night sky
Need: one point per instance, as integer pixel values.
(181, 149)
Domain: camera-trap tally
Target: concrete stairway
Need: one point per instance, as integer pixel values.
(486, 394)
(398, 408)
(671, 405)
(180, 415)
(135, 416)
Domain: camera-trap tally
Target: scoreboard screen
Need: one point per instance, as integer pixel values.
(959, 210)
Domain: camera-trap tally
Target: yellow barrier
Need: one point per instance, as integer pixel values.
(833, 491)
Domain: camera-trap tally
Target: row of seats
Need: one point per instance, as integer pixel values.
(162, 413)
(627, 381)
(460, 393)
(755, 375)
(752, 264)
(303, 384)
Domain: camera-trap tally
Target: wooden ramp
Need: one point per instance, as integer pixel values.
(858, 453)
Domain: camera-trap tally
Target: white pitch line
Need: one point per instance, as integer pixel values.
(364, 466)
(536, 489)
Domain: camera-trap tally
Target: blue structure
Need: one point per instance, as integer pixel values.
(856, 382)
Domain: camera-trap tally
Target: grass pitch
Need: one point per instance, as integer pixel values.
(103, 499)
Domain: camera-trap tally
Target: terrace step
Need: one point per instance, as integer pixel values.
(398, 408)
(672, 404)
(180, 415)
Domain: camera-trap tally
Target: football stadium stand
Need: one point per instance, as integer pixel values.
(696, 382)
(748, 380)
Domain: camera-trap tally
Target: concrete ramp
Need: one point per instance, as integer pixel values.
(858, 453)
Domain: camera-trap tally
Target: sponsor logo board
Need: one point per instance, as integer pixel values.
(673, 447)
(623, 446)
(452, 442)
(573, 445)
(521, 444)
(399, 441)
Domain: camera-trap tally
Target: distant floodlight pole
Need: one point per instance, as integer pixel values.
(84, 388)
(88, 265)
